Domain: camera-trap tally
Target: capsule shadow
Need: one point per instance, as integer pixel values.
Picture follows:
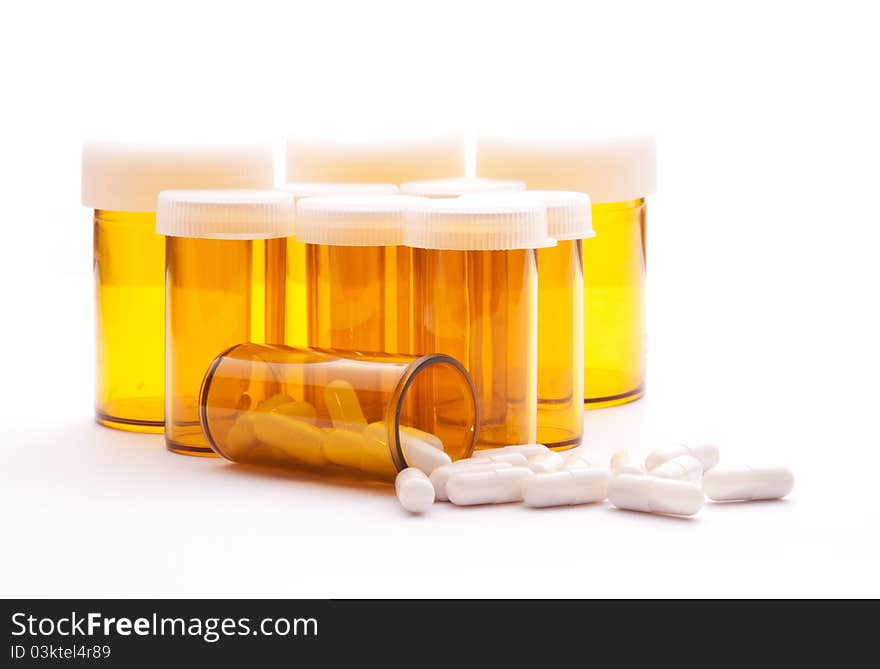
(656, 517)
(304, 476)
(720, 504)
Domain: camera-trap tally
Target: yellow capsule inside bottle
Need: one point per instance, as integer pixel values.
(358, 273)
(476, 299)
(617, 174)
(216, 271)
(121, 182)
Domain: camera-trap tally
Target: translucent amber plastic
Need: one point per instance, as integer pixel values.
(342, 413)
(480, 307)
(296, 309)
(561, 344)
(129, 264)
(216, 297)
(276, 290)
(614, 305)
(359, 298)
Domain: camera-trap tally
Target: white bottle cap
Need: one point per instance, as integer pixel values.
(322, 188)
(478, 224)
(387, 161)
(569, 215)
(225, 214)
(457, 186)
(366, 220)
(609, 170)
(121, 176)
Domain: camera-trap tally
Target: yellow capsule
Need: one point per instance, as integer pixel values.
(344, 407)
(296, 437)
(358, 451)
(295, 409)
(377, 455)
(276, 400)
(343, 447)
(241, 436)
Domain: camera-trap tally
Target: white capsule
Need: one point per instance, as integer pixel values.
(527, 450)
(514, 459)
(681, 468)
(569, 486)
(748, 483)
(441, 475)
(542, 463)
(421, 455)
(577, 461)
(493, 487)
(707, 454)
(414, 491)
(427, 437)
(621, 464)
(655, 495)
(618, 460)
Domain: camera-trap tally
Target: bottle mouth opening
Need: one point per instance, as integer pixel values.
(436, 395)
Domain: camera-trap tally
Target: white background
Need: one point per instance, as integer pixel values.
(763, 289)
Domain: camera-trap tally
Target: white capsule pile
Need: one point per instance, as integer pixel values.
(672, 481)
(677, 480)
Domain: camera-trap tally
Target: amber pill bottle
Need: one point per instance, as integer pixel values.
(475, 297)
(561, 316)
(618, 173)
(121, 182)
(215, 287)
(292, 253)
(339, 413)
(358, 272)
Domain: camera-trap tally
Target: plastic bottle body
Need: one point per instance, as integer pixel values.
(296, 306)
(561, 344)
(342, 413)
(359, 298)
(614, 305)
(215, 299)
(129, 272)
(481, 308)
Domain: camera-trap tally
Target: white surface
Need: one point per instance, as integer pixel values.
(763, 321)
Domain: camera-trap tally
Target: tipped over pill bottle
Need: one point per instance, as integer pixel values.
(216, 270)
(475, 298)
(354, 414)
(617, 174)
(121, 182)
(387, 160)
(358, 272)
(458, 186)
(291, 253)
(561, 316)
